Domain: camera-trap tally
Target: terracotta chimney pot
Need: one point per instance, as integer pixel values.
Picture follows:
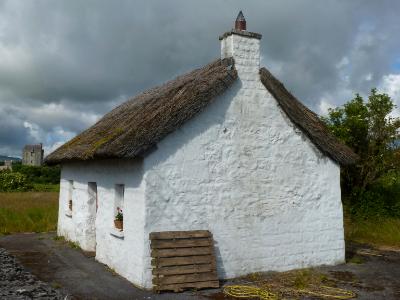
(240, 23)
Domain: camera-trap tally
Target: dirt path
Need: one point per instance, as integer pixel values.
(70, 270)
(373, 274)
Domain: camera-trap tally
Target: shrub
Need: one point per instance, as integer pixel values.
(13, 181)
(381, 199)
(42, 174)
(371, 187)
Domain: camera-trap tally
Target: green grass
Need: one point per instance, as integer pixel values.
(37, 212)
(46, 187)
(382, 232)
(28, 212)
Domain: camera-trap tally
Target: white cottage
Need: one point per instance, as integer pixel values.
(224, 148)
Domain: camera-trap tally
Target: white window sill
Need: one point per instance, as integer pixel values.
(69, 213)
(117, 233)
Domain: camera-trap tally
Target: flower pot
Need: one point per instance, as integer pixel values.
(119, 224)
(70, 205)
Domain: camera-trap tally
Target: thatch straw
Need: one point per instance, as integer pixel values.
(307, 121)
(135, 127)
(139, 124)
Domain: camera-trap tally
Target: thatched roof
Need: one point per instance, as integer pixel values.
(307, 121)
(139, 124)
(135, 127)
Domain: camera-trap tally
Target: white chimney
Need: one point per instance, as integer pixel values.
(243, 46)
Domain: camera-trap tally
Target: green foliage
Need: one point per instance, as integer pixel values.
(120, 215)
(30, 178)
(13, 181)
(372, 186)
(42, 174)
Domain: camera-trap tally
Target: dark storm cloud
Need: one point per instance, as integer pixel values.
(64, 63)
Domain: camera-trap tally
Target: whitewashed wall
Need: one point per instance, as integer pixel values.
(124, 255)
(243, 171)
(240, 169)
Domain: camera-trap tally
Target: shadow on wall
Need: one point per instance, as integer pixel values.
(103, 168)
(220, 263)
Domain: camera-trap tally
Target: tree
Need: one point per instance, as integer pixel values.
(373, 133)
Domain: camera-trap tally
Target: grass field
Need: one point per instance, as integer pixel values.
(28, 212)
(383, 232)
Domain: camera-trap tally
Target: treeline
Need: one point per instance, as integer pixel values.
(43, 174)
(27, 178)
(371, 187)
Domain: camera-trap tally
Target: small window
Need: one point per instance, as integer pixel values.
(119, 206)
(92, 193)
(70, 193)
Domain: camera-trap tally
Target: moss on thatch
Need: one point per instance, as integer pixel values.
(139, 124)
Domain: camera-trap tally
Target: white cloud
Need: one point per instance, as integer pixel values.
(324, 107)
(391, 85)
(56, 138)
(34, 131)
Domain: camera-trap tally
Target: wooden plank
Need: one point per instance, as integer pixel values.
(181, 261)
(189, 269)
(181, 252)
(167, 235)
(186, 278)
(191, 285)
(180, 243)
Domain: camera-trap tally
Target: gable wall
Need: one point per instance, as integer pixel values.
(125, 256)
(243, 171)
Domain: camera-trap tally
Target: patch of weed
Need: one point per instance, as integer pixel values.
(356, 260)
(59, 238)
(56, 285)
(112, 271)
(382, 232)
(302, 279)
(73, 245)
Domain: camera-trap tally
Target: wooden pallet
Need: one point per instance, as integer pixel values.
(183, 260)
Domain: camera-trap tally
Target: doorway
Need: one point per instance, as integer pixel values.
(92, 206)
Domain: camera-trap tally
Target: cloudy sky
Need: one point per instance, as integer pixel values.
(63, 64)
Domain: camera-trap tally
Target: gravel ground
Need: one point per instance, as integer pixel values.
(17, 283)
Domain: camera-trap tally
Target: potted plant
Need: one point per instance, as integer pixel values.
(119, 219)
(70, 205)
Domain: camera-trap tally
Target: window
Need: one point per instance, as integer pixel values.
(70, 193)
(119, 206)
(92, 191)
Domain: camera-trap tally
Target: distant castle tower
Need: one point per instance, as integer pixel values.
(32, 155)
